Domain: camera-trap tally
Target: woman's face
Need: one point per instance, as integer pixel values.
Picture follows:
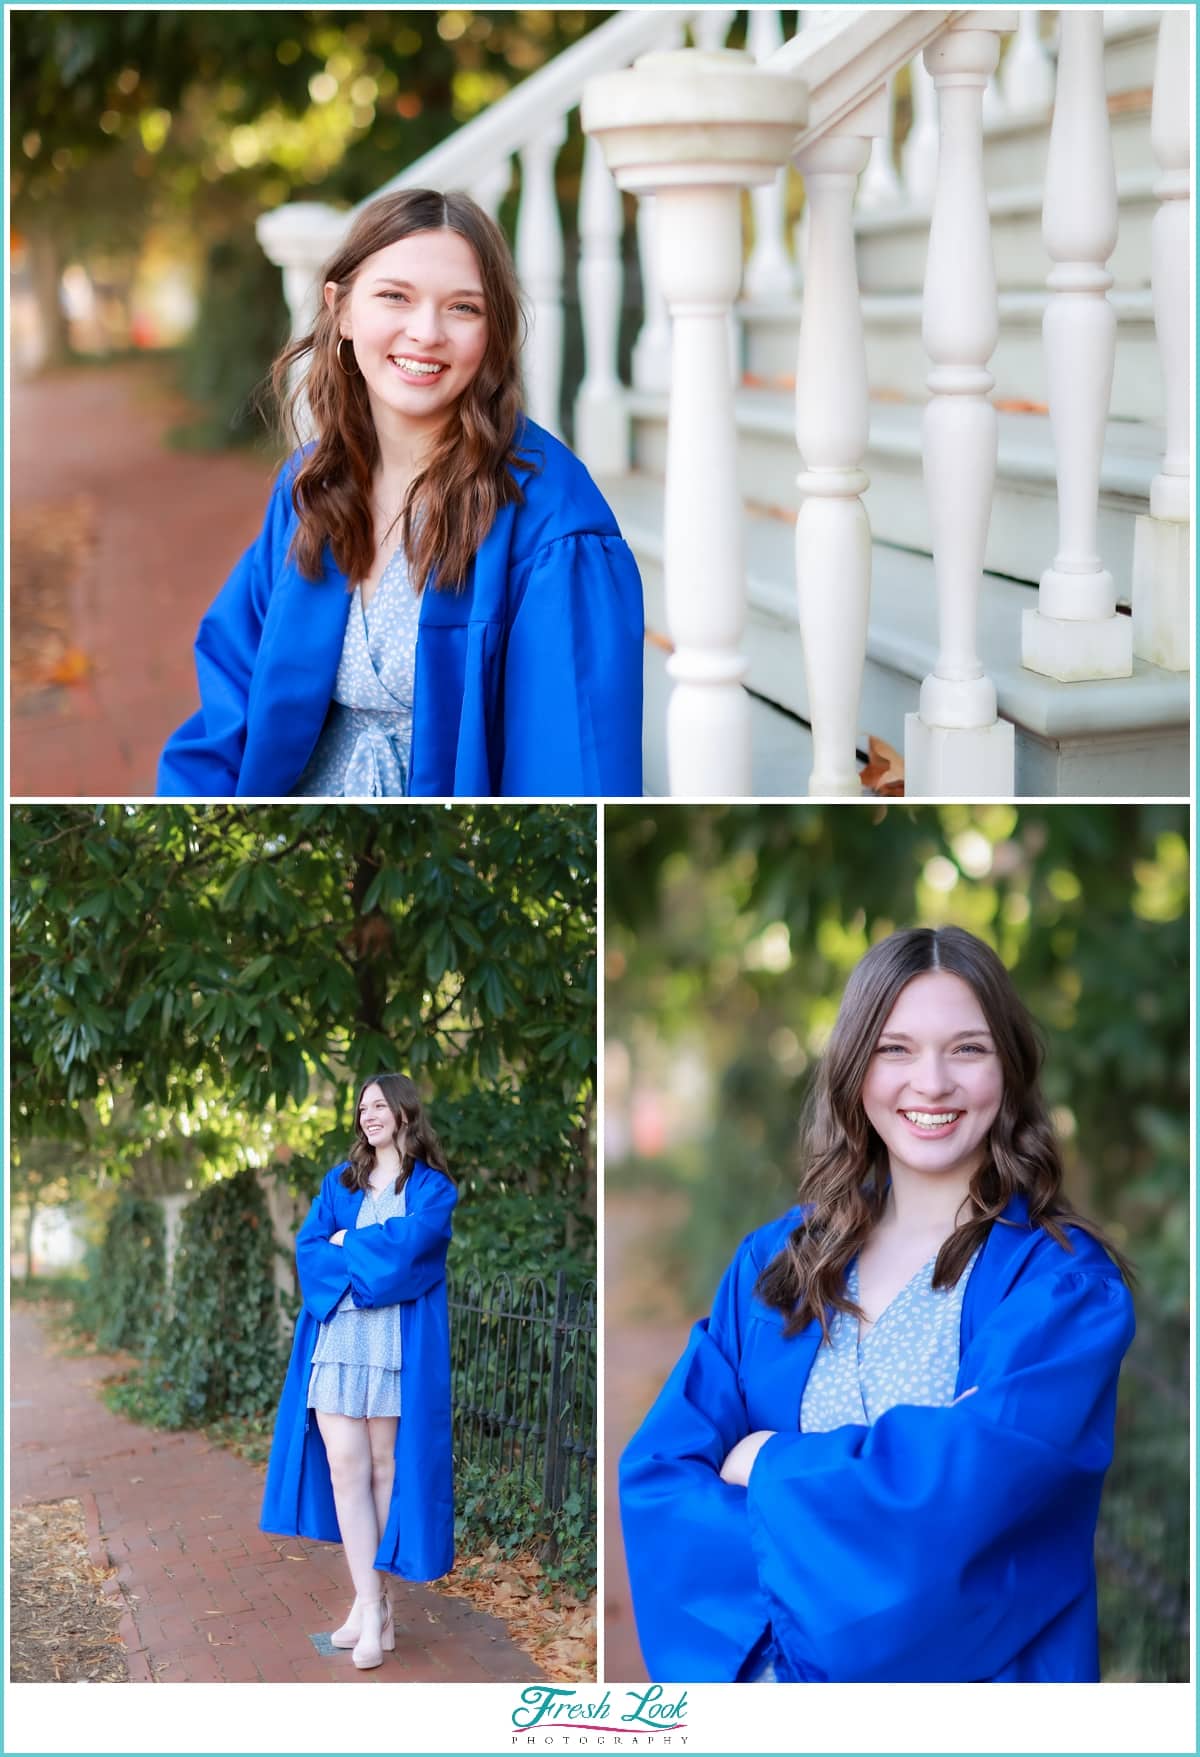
(934, 1084)
(375, 1117)
(416, 317)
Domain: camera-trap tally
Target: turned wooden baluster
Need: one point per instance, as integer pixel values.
(919, 158)
(539, 255)
(1027, 78)
(651, 363)
(769, 272)
(833, 534)
(299, 237)
(601, 418)
(956, 744)
(711, 26)
(880, 186)
(1162, 569)
(492, 186)
(709, 30)
(652, 349)
(1171, 262)
(1075, 631)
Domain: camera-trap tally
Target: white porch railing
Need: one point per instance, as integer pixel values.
(686, 130)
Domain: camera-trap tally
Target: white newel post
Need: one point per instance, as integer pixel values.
(1027, 78)
(769, 273)
(1162, 570)
(299, 238)
(539, 255)
(694, 128)
(833, 534)
(956, 744)
(601, 417)
(919, 157)
(1075, 631)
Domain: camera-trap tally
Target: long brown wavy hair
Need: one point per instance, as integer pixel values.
(846, 1174)
(467, 476)
(420, 1137)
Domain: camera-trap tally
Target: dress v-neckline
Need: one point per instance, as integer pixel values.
(864, 1335)
(393, 568)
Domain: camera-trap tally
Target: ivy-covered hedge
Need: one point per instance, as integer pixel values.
(217, 1352)
(506, 1509)
(121, 1301)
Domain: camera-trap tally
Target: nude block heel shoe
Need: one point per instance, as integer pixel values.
(351, 1629)
(371, 1647)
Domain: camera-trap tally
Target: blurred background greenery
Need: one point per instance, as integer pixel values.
(730, 933)
(145, 144)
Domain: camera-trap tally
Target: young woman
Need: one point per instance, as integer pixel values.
(361, 1453)
(439, 602)
(880, 1458)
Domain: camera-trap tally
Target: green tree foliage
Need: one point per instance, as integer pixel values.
(196, 121)
(277, 953)
(377, 89)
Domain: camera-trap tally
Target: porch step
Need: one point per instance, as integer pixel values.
(1126, 736)
(893, 242)
(1023, 534)
(897, 362)
(1129, 50)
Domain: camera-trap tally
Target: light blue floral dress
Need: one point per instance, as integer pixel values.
(909, 1355)
(356, 1363)
(365, 746)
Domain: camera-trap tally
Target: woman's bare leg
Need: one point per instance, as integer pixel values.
(348, 1448)
(381, 1431)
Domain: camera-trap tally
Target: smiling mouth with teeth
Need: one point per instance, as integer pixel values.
(425, 368)
(923, 1119)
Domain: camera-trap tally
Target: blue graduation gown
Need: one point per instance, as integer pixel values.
(528, 682)
(401, 1262)
(946, 1545)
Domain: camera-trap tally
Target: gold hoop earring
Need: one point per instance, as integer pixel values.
(350, 373)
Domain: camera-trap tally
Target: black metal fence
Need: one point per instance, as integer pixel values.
(523, 1359)
(1143, 1543)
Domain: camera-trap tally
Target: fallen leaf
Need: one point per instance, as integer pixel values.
(883, 773)
(73, 667)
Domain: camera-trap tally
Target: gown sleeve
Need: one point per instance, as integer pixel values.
(573, 673)
(406, 1256)
(320, 1266)
(700, 1607)
(937, 1544)
(204, 756)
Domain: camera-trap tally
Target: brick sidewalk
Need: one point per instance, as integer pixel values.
(169, 525)
(640, 1348)
(208, 1597)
